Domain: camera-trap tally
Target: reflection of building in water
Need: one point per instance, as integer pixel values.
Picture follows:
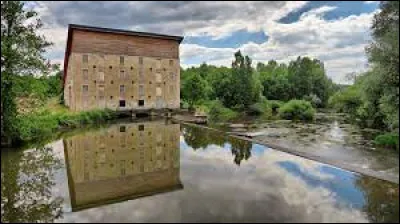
(123, 162)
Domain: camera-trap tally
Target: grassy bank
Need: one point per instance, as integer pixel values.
(44, 121)
(388, 140)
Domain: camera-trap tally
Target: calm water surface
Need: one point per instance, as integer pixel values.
(157, 171)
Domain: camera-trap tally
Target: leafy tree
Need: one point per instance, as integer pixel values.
(384, 54)
(243, 88)
(21, 54)
(194, 89)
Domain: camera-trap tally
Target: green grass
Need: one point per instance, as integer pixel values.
(52, 117)
(388, 140)
(297, 110)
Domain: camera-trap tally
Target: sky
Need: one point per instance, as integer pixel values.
(335, 32)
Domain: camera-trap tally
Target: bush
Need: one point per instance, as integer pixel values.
(42, 124)
(389, 140)
(217, 112)
(297, 110)
(275, 105)
(261, 108)
(314, 100)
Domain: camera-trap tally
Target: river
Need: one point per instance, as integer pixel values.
(159, 171)
(330, 138)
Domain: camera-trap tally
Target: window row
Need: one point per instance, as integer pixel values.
(85, 60)
(124, 76)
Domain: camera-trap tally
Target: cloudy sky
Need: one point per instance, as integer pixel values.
(335, 32)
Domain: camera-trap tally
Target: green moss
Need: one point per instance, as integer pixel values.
(297, 110)
(389, 140)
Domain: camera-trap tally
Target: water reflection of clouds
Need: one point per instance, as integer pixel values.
(216, 189)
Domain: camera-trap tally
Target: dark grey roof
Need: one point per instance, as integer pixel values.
(125, 32)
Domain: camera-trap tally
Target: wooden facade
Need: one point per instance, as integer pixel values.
(121, 70)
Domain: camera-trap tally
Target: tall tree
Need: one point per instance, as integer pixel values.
(21, 53)
(384, 56)
(245, 86)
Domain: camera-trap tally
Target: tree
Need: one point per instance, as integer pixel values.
(21, 53)
(383, 53)
(244, 87)
(194, 89)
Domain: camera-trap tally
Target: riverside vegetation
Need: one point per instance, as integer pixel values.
(271, 90)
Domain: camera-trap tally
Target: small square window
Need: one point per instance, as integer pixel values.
(122, 103)
(131, 68)
(110, 67)
(141, 127)
(141, 103)
(111, 97)
(122, 129)
(112, 82)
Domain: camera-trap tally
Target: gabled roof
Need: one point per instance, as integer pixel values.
(72, 27)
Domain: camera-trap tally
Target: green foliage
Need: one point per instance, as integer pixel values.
(347, 100)
(263, 108)
(374, 98)
(297, 110)
(275, 105)
(21, 53)
(390, 140)
(194, 88)
(44, 123)
(304, 78)
(217, 112)
(245, 87)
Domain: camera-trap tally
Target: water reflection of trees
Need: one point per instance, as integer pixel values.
(200, 138)
(26, 181)
(381, 199)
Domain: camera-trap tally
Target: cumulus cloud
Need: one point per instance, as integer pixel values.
(333, 41)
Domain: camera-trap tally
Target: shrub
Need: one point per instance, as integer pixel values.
(261, 108)
(44, 123)
(389, 140)
(297, 110)
(275, 105)
(314, 100)
(217, 112)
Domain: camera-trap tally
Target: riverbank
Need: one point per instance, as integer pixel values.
(48, 120)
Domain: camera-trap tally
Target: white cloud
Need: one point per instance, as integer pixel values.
(336, 42)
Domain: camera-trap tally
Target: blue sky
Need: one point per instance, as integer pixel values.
(335, 32)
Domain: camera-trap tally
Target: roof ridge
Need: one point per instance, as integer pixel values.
(123, 31)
